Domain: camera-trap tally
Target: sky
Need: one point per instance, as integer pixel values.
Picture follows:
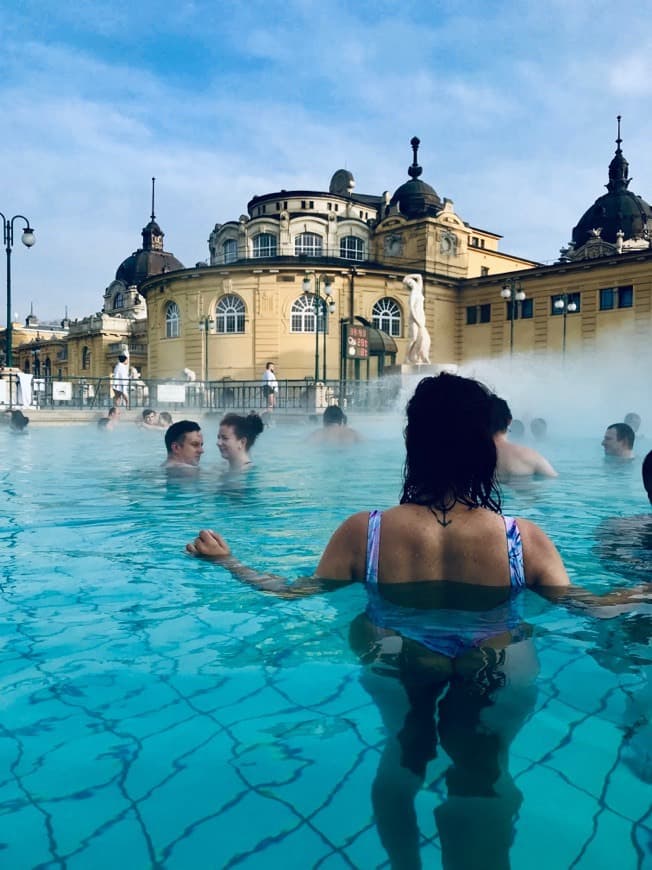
(515, 104)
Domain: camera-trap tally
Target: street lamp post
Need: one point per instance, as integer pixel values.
(206, 325)
(28, 240)
(566, 305)
(513, 293)
(329, 308)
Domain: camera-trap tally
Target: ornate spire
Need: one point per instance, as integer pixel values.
(618, 168)
(415, 170)
(152, 233)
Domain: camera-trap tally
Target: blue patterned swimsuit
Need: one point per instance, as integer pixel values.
(446, 631)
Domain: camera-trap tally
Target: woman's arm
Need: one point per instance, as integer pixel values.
(546, 574)
(338, 566)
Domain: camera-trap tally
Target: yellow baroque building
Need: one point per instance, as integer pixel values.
(287, 280)
(304, 275)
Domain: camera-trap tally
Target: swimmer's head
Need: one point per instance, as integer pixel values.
(177, 432)
(517, 429)
(501, 416)
(450, 451)
(647, 475)
(633, 420)
(247, 428)
(334, 416)
(538, 427)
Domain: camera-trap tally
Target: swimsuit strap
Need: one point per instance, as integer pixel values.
(514, 553)
(373, 547)
(514, 550)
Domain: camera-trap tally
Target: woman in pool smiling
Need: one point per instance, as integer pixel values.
(236, 437)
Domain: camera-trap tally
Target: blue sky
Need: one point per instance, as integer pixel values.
(515, 104)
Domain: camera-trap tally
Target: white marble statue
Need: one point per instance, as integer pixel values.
(418, 352)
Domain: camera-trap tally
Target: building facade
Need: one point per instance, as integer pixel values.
(304, 274)
(287, 280)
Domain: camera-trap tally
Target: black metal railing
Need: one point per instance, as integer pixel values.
(225, 394)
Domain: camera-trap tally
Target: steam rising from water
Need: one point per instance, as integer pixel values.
(578, 396)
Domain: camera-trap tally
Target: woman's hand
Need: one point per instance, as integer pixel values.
(209, 545)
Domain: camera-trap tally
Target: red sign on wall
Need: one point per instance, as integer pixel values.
(357, 342)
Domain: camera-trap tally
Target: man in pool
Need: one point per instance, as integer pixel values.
(185, 444)
(335, 429)
(514, 460)
(618, 441)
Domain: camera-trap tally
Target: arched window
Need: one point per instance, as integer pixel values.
(86, 357)
(230, 251)
(172, 320)
(264, 245)
(386, 315)
(119, 300)
(230, 314)
(352, 248)
(308, 244)
(303, 314)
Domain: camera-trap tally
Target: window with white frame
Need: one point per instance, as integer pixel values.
(352, 248)
(172, 320)
(264, 245)
(302, 315)
(230, 251)
(230, 314)
(386, 315)
(308, 244)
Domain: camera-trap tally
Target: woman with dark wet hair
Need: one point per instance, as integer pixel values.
(444, 573)
(236, 436)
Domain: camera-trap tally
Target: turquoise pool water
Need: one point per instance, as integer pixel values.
(156, 713)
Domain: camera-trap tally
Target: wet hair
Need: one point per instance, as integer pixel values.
(248, 427)
(165, 417)
(147, 412)
(633, 419)
(624, 433)
(112, 412)
(500, 417)
(647, 475)
(178, 431)
(103, 422)
(18, 420)
(334, 416)
(450, 451)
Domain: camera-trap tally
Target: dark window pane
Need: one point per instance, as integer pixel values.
(606, 299)
(527, 309)
(625, 296)
(471, 314)
(485, 313)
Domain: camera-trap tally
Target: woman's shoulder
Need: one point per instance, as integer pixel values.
(543, 564)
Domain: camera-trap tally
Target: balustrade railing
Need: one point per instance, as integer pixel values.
(18, 389)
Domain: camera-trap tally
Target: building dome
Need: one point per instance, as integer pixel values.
(149, 260)
(143, 264)
(617, 210)
(415, 198)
